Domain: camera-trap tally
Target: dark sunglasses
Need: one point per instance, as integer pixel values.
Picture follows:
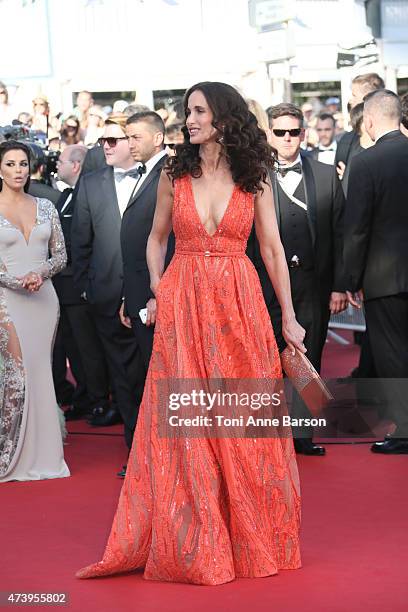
(293, 132)
(111, 140)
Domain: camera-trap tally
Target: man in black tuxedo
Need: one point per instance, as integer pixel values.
(325, 151)
(348, 145)
(94, 160)
(77, 335)
(145, 132)
(103, 196)
(376, 253)
(309, 205)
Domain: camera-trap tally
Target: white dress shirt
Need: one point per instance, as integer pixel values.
(67, 201)
(150, 164)
(124, 188)
(291, 180)
(327, 154)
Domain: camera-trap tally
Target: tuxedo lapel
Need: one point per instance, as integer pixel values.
(148, 180)
(310, 195)
(314, 154)
(275, 192)
(109, 194)
(61, 205)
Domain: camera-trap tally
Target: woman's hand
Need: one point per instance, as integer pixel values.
(31, 281)
(151, 307)
(294, 334)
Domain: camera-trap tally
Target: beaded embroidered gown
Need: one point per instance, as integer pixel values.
(204, 510)
(30, 434)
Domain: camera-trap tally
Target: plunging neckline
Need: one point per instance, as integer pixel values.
(19, 229)
(223, 216)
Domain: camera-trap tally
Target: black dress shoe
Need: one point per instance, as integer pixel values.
(391, 446)
(122, 472)
(305, 446)
(73, 414)
(105, 418)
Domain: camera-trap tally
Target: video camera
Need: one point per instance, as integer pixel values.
(20, 132)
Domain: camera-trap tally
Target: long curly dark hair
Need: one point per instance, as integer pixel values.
(15, 145)
(244, 143)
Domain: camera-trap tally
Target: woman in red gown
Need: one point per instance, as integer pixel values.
(198, 509)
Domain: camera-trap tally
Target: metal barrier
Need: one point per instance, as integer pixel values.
(351, 318)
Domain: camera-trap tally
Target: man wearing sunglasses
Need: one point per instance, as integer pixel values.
(102, 198)
(309, 205)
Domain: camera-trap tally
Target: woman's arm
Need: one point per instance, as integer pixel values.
(32, 281)
(58, 259)
(7, 280)
(159, 235)
(274, 259)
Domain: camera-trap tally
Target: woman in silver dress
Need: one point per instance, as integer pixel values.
(32, 250)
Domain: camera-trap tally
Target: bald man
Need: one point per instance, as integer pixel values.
(376, 253)
(77, 337)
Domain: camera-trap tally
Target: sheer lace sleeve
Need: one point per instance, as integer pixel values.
(58, 259)
(7, 280)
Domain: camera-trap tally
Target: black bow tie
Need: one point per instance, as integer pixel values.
(133, 173)
(283, 170)
(323, 150)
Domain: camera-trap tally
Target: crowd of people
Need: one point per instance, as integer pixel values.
(85, 122)
(204, 260)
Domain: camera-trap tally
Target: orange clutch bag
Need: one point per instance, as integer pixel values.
(306, 380)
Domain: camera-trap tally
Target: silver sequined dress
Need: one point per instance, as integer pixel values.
(30, 436)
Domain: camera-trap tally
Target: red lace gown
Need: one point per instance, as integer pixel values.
(203, 510)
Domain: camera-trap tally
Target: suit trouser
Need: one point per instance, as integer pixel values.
(312, 313)
(387, 322)
(144, 338)
(366, 366)
(91, 350)
(125, 366)
(65, 347)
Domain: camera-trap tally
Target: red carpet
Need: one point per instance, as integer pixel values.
(354, 536)
(339, 359)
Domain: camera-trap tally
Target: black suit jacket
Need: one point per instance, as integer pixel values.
(345, 146)
(136, 226)
(94, 160)
(41, 190)
(325, 209)
(95, 241)
(67, 292)
(314, 153)
(376, 242)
